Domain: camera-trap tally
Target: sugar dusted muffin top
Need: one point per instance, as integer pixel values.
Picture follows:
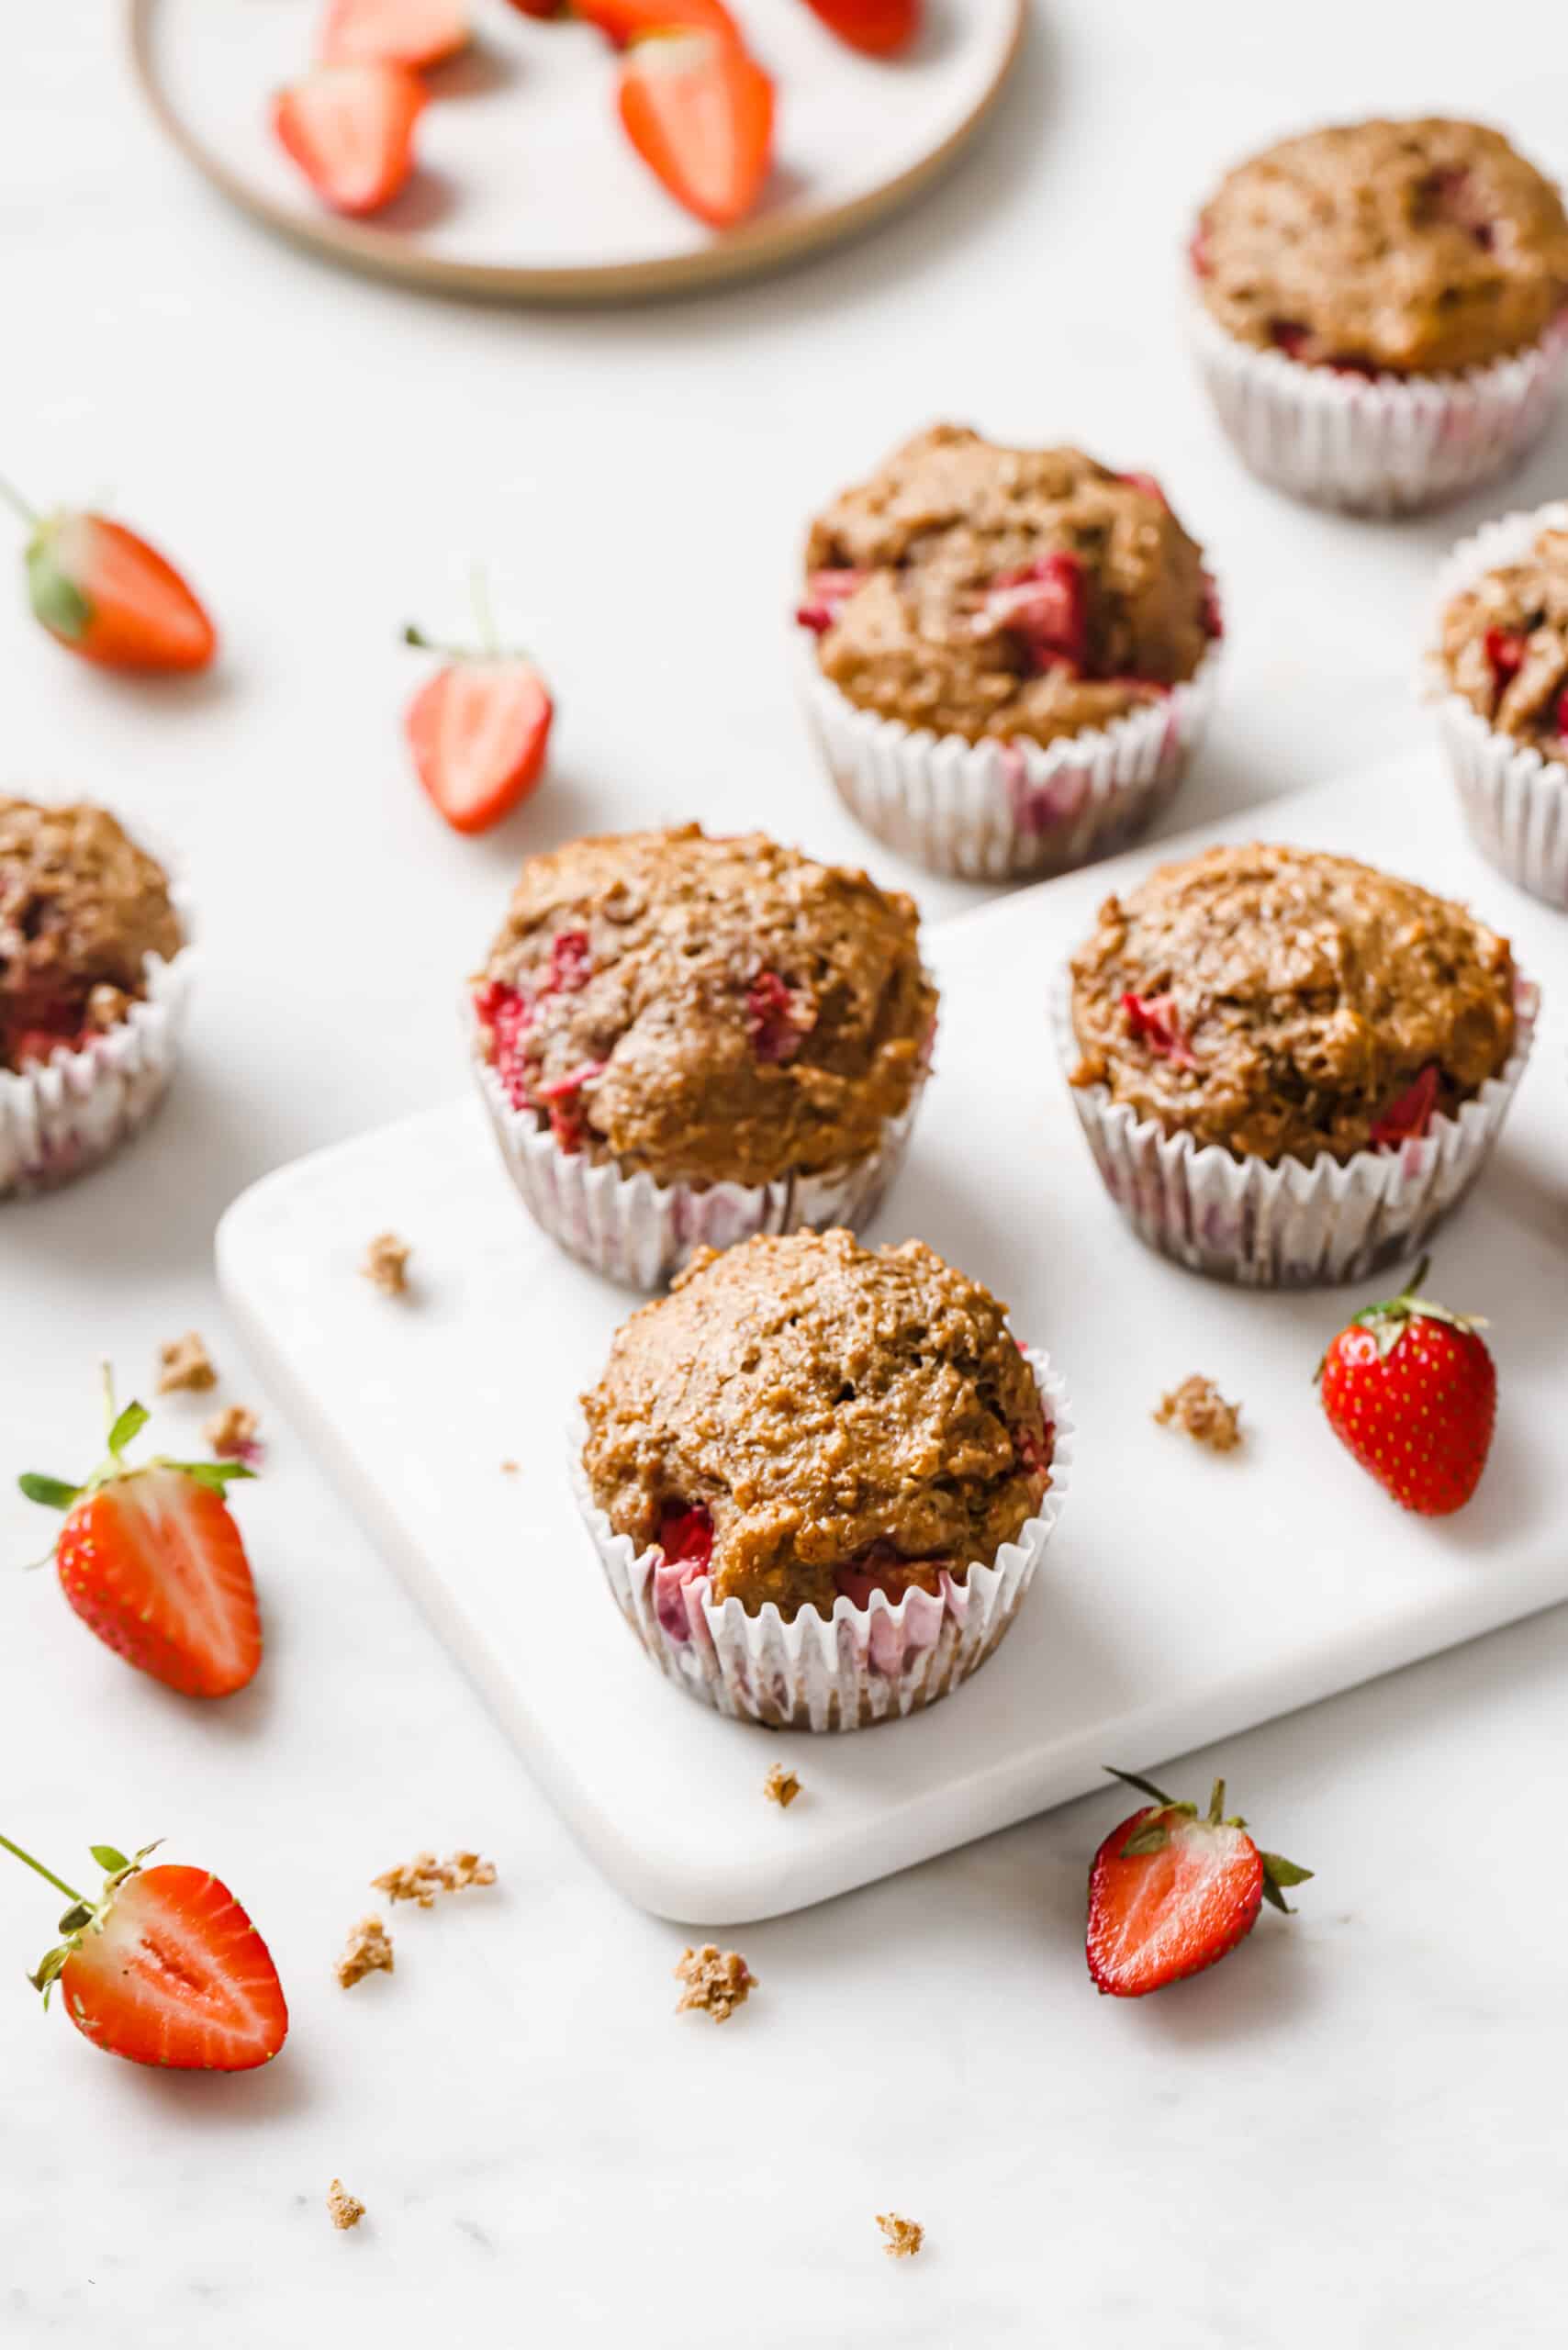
(1505, 646)
(1283, 1003)
(805, 1417)
(1411, 248)
(993, 592)
(81, 910)
(711, 1010)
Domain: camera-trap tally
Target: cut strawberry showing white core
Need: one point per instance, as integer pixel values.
(351, 130)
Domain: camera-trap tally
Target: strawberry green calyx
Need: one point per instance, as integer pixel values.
(55, 597)
(488, 648)
(1390, 1317)
(1152, 1834)
(84, 1916)
(55, 1493)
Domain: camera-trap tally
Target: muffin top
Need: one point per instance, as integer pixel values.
(81, 909)
(804, 1417)
(1411, 248)
(717, 1011)
(1283, 1003)
(1505, 645)
(984, 592)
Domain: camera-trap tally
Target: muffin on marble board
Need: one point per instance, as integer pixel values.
(683, 1040)
(1498, 672)
(1012, 652)
(820, 1478)
(1288, 1065)
(1382, 312)
(94, 968)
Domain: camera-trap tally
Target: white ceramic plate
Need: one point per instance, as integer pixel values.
(1184, 1597)
(526, 187)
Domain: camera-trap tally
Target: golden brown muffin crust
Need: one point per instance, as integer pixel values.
(1414, 247)
(828, 1406)
(930, 621)
(1505, 646)
(1283, 1003)
(81, 909)
(712, 1010)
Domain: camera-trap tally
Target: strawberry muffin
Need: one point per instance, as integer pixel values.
(1499, 672)
(1381, 310)
(1011, 653)
(93, 969)
(685, 1040)
(820, 1477)
(1290, 1065)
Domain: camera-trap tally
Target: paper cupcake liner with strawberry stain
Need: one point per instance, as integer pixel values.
(1514, 797)
(1377, 445)
(61, 1117)
(1294, 1226)
(858, 1667)
(1010, 811)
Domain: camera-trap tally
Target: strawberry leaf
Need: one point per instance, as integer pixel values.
(108, 1860)
(78, 1915)
(130, 1425)
(1144, 1787)
(52, 1491)
(1150, 1839)
(214, 1473)
(1278, 1872)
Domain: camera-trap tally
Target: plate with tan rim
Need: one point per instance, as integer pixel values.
(526, 189)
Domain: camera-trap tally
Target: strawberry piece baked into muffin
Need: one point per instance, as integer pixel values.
(93, 970)
(820, 1478)
(1290, 1065)
(1500, 673)
(1012, 652)
(1381, 311)
(684, 1040)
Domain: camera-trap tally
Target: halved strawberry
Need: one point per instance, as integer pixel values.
(165, 1968)
(478, 731)
(624, 21)
(1170, 1893)
(152, 1560)
(105, 594)
(878, 27)
(699, 113)
(351, 130)
(398, 32)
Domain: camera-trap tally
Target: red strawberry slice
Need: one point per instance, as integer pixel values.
(568, 1122)
(1290, 336)
(108, 596)
(625, 21)
(827, 592)
(571, 963)
(394, 32)
(698, 110)
(1505, 649)
(779, 1017)
(1149, 486)
(508, 1013)
(351, 130)
(1409, 1114)
(1156, 1020)
(1170, 1894)
(165, 1968)
(877, 27)
(478, 731)
(1046, 606)
(685, 1534)
(1411, 1389)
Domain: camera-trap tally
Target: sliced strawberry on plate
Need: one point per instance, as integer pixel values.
(165, 1968)
(394, 32)
(625, 21)
(1172, 1893)
(478, 730)
(879, 27)
(351, 130)
(105, 594)
(1412, 1391)
(152, 1563)
(699, 113)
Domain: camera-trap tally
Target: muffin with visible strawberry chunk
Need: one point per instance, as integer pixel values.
(1499, 671)
(93, 970)
(1012, 652)
(1382, 309)
(820, 1477)
(683, 1039)
(1289, 1066)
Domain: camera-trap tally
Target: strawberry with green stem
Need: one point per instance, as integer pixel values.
(164, 1968)
(108, 596)
(1411, 1389)
(1172, 1893)
(478, 730)
(152, 1560)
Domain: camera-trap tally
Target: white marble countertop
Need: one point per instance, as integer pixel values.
(1350, 2132)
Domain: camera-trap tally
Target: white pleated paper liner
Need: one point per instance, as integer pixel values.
(1294, 1226)
(1377, 445)
(1005, 812)
(1514, 797)
(640, 1232)
(61, 1117)
(859, 1666)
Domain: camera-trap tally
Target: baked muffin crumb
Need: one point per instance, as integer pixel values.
(368, 1950)
(184, 1363)
(346, 2209)
(1505, 646)
(781, 1786)
(902, 2238)
(424, 1876)
(717, 1981)
(81, 910)
(232, 1434)
(385, 1265)
(1198, 1409)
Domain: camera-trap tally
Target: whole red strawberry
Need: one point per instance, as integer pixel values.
(1412, 1391)
(1170, 1893)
